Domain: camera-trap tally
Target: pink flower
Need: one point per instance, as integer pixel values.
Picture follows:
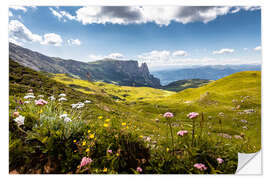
(30, 90)
(192, 115)
(40, 102)
(85, 161)
(16, 114)
(168, 115)
(220, 161)
(109, 151)
(182, 133)
(139, 169)
(200, 166)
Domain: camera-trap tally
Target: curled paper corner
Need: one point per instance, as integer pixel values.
(249, 163)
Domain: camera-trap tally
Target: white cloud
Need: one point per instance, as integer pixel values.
(18, 32)
(62, 15)
(117, 56)
(161, 15)
(179, 53)
(245, 49)
(18, 8)
(74, 42)
(67, 15)
(223, 51)
(55, 13)
(258, 48)
(10, 14)
(52, 39)
(155, 55)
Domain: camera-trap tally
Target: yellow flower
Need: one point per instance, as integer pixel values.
(117, 154)
(106, 125)
(84, 143)
(88, 131)
(167, 149)
(123, 124)
(127, 127)
(107, 120)
(74, 141)
(87, 150)
(92, 136)
(141, 136)
(105, 170)
(100, 117)
(40, 111)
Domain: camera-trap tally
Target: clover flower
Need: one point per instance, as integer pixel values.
(220, 161)
(62, 99)
(168, 115)
(200, 166)
(87, 101)
(182, 133)
(52, 98)
(85, 161)
(40, 102)
(109, 151)
(139, 169)
(67, 119)
(193, 115)
(19, 120)
(63, 116)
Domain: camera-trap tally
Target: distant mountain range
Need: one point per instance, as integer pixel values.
(127, 73)
(202, 72)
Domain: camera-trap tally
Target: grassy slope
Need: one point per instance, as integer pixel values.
(185, 84)
(211, 99)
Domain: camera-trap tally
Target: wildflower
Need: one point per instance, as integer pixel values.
(167, 149)
(244, 121)
(40, 102)
(109, 151)
(106, 125)
(30, 90)
(16, 114)
(62, 95)
(74, 140)
(220, 161)
(29, 97)
(105, 170)
(87, 101)
(100, 117)
(63, 116)
(26, 102)
(92, 136)
(19, 120)
(52, 98)
(62, 99)
(192, 115)
(139, 169)
(237, 137)
(141, 136)
(85, 161)
(67, 119)
(182, 133)
(87, 150)
(84, 143)
(40, 111)
(200, 166)
(245, 127)
(40, 96)
(123, 124)
(107, 120)
(221, 114)
(117, 154)
(168, 115)
(89, 131)
(78, 105)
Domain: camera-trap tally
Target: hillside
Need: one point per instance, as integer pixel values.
(185, 84)
(127, 73)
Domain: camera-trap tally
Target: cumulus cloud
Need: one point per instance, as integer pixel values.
(95, 57)
(155, 55)
(52, 39)
(179, 53)
(19, 8)
(161, 15)
(258, 48)
(18, 32)
(62, 15)
(74, 42)
(56, 13)
(223, 51)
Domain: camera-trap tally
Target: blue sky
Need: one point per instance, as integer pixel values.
(163, 37)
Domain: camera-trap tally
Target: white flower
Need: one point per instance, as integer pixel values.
(63, 116)
(78, 105)
(30, 94)
(40, 96)
(26, 102)
(67, 119)
(62, 99)
(19, 120)
(29, 97)
(62, 95)
(52, 98)
(87, 101)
